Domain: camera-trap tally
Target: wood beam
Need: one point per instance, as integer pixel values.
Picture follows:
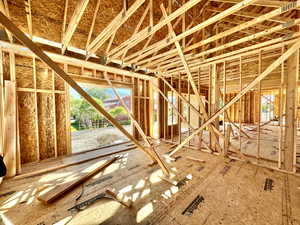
(78, 12)
(117, 22)
(28, 16)
(4, 9)
(264, 3)
(10, 129)
(252, 15)
(46, 59)
(291, 115)
(65, 19)
(251, 85)
(93, 24)
(24, 51)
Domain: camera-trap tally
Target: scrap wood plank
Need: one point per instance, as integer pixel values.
(10, 129)
(60, 190)
(64, 162)
(195, 159)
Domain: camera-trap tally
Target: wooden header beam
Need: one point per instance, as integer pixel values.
(46, 59)
(24, 51)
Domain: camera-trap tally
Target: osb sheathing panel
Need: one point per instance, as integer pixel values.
(24, 72)
(27, 127)
(60, 103)
(46, 125)
(74, 70)
(59, 82)
(43, 76)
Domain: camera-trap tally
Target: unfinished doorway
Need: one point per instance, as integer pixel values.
(89, 129)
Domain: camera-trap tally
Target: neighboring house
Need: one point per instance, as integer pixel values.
(114, 102)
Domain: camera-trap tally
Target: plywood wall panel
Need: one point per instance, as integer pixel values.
(24, 72)
(27, 127)
(46, 125)
(43, 76)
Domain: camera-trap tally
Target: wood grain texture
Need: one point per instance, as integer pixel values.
(57, 192)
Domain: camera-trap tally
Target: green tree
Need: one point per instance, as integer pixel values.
(119, 110)
(82, 110)
(96, 92)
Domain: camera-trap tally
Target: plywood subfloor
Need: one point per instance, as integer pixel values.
(234, 195)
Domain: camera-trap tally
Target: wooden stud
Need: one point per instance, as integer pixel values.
(227, 140)
(280, 121)
(28, 16)
(259, 106)
(291, 108)
(36, 110)
(117, 22)
(54, 113)
(10, 129)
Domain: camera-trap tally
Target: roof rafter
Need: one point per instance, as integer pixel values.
(117, 22)
(78, 12)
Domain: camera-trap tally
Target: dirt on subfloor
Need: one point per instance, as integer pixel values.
(88, 139)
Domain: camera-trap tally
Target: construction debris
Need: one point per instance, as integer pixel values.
(193, 205)
(195, 159)
(268, 184)
(109, 194)
(58, 191)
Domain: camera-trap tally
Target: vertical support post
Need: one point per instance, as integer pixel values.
(291, 107)
(1, 106)
(189, 110)
(224, 100)
(280, 121)
(215, 97)
(199, 109)
(139, 104)
(10, 139)
(240, 106)
(227, 139)
(36, 109)
(54, 114)
(165, 114)
(180, 109)
(68, 123)
(172, 126)
(259, 106)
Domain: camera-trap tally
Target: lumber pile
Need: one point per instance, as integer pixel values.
(60, 190)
